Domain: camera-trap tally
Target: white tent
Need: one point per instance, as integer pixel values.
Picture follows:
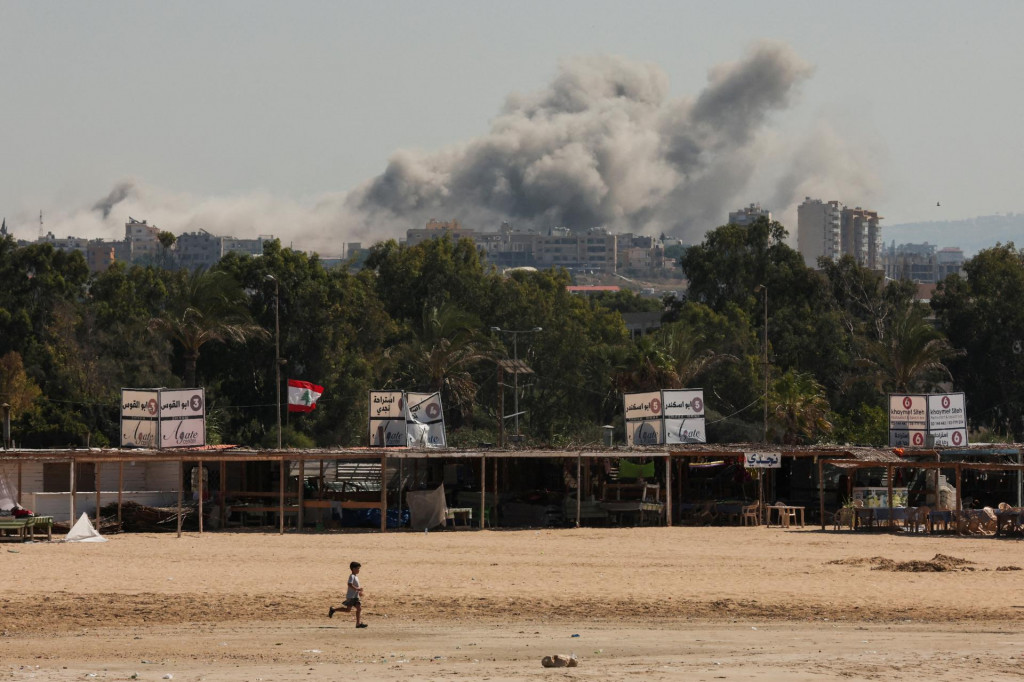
(83, 531)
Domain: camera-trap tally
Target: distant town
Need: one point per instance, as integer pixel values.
(825, 229)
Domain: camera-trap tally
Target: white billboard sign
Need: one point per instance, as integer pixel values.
(685, 430)
(933, 420)
(642, 405)
(182, 418)
(425, 420)
(684, 416)
(140, 411)
(388, 433)
(645, 432)
(762, 460)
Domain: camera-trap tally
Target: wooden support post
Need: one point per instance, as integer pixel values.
(98, 487)
(280, 497)
(888, 478)
(223, 493)
(74, 492)
(501, 408)
(199, 487)
(483, 488)
(19, 483)
(181, 488)
(579, 486)
(821, 490)
(494, 489)
(383, 493)
(302, 493)
(120, 492)
(668, 491)
(959, 485)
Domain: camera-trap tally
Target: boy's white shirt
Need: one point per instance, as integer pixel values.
(353, 586)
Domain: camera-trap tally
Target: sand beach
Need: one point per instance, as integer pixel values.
(688, 603)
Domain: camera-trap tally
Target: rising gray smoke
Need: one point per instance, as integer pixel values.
(120, 192)
(604, 145)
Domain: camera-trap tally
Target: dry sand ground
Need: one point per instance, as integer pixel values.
(647, 604)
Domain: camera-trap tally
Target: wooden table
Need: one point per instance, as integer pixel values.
(787, 510)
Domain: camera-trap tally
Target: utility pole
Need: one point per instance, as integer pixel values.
(277, 351)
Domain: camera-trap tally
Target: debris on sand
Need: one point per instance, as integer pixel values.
(937, 564)
(559, 661)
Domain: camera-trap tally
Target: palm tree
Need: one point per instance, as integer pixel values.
(648, 367)
(908, 352)
(690, 355)
(209, 305)
(797, 408)
(449, 344)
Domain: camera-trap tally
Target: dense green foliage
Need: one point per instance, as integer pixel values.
(421, 318)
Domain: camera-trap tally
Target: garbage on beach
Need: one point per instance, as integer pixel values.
(559, 661)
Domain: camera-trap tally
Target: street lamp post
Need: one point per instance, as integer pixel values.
(277, 351)
(763, 288)
(515, 372)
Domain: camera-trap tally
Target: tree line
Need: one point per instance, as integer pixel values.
(421, 318)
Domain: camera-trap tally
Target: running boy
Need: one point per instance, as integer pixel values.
(352, 597)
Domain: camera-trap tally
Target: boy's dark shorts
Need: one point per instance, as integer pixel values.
(354, 601)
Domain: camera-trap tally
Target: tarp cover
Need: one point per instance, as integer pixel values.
(6, 493)
(83, 531)
(427, 508)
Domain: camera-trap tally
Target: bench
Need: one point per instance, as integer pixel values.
(27, 527)
(11, 527)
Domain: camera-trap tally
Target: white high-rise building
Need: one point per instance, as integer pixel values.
(817, 227)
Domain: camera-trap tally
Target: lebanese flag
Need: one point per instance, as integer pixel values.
(302, 395)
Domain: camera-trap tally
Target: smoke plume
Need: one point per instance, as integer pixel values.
(603, 144)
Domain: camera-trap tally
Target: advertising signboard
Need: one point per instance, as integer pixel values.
(762, 460)
(928, 420)
(387, 419)
(182, 417)
(140, 410)
(642, 405)
(645, 432)
(425, 420)
(684, 416)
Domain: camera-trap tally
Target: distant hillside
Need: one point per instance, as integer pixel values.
(971, 235)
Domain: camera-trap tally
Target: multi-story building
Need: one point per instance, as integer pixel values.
(640, 253)
(436, 229)
(746, 216)
(860, 236)
(817, 230)
(922, 263)
(202, 249)
(143, 243)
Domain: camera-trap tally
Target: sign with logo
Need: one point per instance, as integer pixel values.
(762, 460)
(659, 417)
(684, 416)
(928, 420)
(645, 432)
(182, 418)
(388, 433)
(425, 420)
(163, 418)
(642, 405)
(387, 419)
(140, 409)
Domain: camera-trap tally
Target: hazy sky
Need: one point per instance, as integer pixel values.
(329, 121)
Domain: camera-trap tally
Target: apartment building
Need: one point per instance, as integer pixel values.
(746, 216)
(817, 230)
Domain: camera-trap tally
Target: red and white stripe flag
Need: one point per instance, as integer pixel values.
(302, 395)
